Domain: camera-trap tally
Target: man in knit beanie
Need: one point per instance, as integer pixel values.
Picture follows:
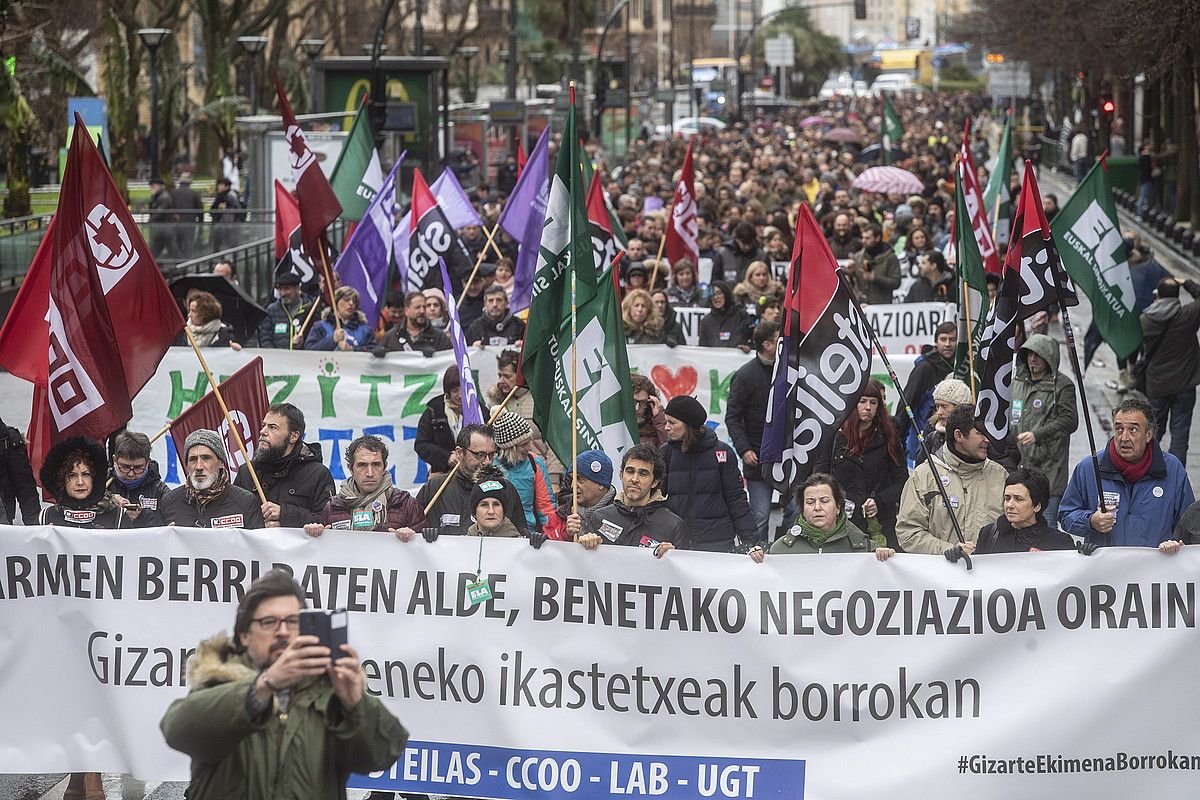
(595, 471)
(207, 499)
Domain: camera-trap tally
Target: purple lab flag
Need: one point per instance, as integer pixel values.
(452, 200)
(471, 413)
(364, 262)
(524, 216)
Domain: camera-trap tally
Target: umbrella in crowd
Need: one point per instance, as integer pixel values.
(888, 180)
(843, 136)
(809, 122)
(238, 309)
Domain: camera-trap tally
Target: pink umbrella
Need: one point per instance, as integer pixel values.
(843, 136)
(808, 122)
(888, 180)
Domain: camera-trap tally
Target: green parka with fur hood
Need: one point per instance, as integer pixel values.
(307, 752)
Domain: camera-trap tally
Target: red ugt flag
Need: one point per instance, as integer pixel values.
(319, 206)
(973, 196)
(682, 231)
(245, 393)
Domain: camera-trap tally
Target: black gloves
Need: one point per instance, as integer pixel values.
(428, 351)
(1087, 548)
(536, 539)
(431, 534)
(953, 554)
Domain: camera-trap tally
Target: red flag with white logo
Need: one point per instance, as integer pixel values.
(604, 244)
(682, 229)
(319, 206)
(25, 335)
(101, 270)
(973, 196)
(245, 394)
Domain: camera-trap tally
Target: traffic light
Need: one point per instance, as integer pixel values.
(860, 9)
(1107, 106)
(995, 58)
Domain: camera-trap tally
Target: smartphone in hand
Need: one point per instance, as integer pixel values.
(330, 627)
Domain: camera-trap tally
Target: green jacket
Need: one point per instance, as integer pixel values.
(1047, 408)
(305, 754)
(850, 539)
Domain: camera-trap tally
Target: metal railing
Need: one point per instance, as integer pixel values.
(19, 240)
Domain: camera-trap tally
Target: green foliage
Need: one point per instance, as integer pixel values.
(553, 19)
(817, 54)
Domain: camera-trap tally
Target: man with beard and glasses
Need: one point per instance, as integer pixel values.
(367, 500)
(294, 478)
(207, 499)
(269, 714)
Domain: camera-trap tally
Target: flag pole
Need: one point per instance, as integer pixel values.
(575, 348)
(658, 259)
(233, 428)
(970, 339)
(912, 418)
(1076, 367)
(454, 469)
(478, 262)
(337, 322)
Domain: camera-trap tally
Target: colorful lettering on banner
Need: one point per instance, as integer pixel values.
(565, 674)
(353, 394)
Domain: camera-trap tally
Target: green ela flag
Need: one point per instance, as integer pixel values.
(972, 284)
(891, 129)
(1092, 250)
(604, 399)
(997, 187)
(358, 176)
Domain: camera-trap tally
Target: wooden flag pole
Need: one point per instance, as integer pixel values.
(576, 175)
(337, 322)
(237, 434)
(316, 304)
(454, 469)
(970, 339)
(658, 259)
(478, 262)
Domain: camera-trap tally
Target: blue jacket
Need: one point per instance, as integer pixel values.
(358, 333)
(521, 477)
(1148, 510)
(704, 489)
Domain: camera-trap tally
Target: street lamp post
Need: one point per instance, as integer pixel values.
(253, 45)
(312, 48)
(535, 60)
(600, 87)
(468, 53)
(152, 38)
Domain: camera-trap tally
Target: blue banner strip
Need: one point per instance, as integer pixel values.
(506, 774)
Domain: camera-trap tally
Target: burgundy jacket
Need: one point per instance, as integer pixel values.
(402, 512)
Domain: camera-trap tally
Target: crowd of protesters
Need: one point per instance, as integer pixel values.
(750, 180)
(874, 491)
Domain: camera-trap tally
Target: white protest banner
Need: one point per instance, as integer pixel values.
(907, 327)
(697, 675)
(345, 395)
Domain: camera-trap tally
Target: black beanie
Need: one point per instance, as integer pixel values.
(490, 482)
(687, 410)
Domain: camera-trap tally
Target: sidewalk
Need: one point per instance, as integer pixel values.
(1100, 378)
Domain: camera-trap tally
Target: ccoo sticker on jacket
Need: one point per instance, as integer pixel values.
(228, 521)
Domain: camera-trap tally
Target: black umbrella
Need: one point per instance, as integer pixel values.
(871, 153)
(238, 309)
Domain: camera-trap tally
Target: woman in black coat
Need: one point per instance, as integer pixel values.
(703, 483)
(869, 462)
(727, 324)
(1022, 528)
(75, 472)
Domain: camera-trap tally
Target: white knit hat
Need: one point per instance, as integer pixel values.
(952, 390)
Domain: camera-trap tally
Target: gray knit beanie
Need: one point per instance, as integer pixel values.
(210, 439)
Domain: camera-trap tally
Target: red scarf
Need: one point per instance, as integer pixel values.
(1132, 471)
